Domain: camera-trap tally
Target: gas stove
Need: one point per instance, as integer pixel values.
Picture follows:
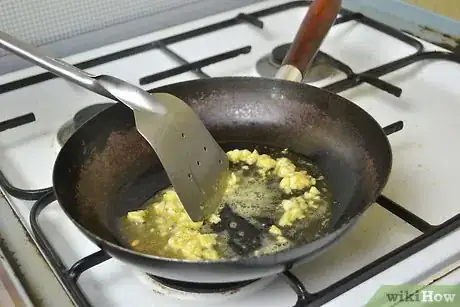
(408, 85)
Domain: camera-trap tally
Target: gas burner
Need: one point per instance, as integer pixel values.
(269, 64)
(69, 127)
(210, 292)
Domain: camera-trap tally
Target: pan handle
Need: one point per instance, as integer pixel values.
(313, 29)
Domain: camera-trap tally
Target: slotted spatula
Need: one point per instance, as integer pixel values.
(196, 165)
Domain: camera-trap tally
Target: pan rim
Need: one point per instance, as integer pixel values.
(261, 260)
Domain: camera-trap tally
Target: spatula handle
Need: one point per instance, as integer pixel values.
(314, 28)
(108, 86)
(64, 70)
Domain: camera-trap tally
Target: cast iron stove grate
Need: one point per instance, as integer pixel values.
(430, 233)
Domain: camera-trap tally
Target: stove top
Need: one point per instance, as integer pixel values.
(409, 86)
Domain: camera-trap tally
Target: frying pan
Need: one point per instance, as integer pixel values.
(107, 169)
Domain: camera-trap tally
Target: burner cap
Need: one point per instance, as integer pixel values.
(81, 117)
(268, 65)
(206, 292)
(87, 113)
(279, 53)
(201, 287)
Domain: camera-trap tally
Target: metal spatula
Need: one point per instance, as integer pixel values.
(196, 165)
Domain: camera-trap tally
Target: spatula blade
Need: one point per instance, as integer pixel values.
(196, 165)
(194, 162)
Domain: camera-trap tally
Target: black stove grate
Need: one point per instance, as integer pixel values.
(17, 121)
(430, 233)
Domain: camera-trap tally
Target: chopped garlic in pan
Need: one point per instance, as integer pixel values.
(137, 216)
(284, 167)
(297, 207)
(296, 181)
(181, 235)
(265, 162)
(163, 228)
(243, 156)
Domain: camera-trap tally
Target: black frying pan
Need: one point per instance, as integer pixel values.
(107, 169)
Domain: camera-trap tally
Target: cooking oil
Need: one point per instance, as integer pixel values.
(254, 195)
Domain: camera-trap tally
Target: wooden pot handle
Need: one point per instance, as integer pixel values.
(313, 29)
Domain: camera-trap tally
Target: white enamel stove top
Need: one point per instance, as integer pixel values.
(423, 178)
